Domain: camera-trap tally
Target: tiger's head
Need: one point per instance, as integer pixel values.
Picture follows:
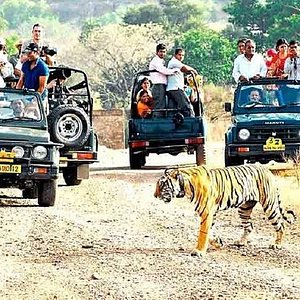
(170, 185)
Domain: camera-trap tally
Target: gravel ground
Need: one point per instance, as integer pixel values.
(109, 238)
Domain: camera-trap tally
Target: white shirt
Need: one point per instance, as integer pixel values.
(292, 68)
(175, 81)
(242, 66)
(159, 77)
(2, 83)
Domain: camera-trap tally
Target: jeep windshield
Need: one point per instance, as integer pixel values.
(16, 106)
(267, 95)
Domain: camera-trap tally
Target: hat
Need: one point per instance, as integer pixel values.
(271, 52)
(32, 47)
(2, 41)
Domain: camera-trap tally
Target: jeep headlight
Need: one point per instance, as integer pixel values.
(244, 134)
(39, 152)
(19, 151)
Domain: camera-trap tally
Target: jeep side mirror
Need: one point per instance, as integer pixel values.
(228, 106)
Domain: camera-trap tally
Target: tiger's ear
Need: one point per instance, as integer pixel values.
(171, 172)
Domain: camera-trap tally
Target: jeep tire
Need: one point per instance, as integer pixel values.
(70, 176)
(200, 155)
(47, 193)
(69, 125)
(136, 160)
(232, 161)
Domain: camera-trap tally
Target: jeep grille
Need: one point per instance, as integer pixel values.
(261, 134)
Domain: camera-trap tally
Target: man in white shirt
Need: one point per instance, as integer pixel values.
(247, 67)
(37, 38)
(292, 72)
(292, 63)
(175, 87)
(159, 78)
(250, 65)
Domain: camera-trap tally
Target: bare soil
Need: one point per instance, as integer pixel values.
(109, 238)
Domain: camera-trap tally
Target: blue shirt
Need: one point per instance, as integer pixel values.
(31, 80)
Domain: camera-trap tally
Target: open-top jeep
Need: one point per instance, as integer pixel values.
(28, 159)
(171, 132)
(71, 123)
(265, 122)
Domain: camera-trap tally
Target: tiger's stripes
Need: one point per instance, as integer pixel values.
(212, 190)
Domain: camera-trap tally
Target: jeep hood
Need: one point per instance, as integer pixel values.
(269, 118)
(24, 134)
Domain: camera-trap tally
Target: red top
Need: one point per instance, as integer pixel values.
(277, 65)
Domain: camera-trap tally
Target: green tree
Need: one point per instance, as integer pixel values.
(209, 53)
(16, 12)
(176, 15)
(148, 13)
(264, 21)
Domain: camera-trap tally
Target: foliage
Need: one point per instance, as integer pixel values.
(117, 52)
(209, 53)
(148, 13)
(265, 21)
(16, 12)
(176, 15)
(10, 44)
(92, 23)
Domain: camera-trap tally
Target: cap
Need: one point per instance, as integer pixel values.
(2, 41)
(32, 47)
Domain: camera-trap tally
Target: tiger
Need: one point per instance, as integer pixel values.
(212, 190)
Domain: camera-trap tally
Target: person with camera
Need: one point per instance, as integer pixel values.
(34, 73)
(46, 53)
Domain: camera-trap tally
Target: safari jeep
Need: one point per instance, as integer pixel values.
(171, 132)
(265, 122)
(71, 123)
(28, 159)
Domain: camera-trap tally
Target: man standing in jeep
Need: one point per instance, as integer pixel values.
(159, 78)
(175, 86)
(34, 73)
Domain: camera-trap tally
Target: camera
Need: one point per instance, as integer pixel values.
(49, 51)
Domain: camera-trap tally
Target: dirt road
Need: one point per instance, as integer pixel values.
(109, 238)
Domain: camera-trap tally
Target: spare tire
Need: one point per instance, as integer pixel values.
(69, 125)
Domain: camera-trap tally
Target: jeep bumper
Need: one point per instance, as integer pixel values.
(256, 152)
(174, 146)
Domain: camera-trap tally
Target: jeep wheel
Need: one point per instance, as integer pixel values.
(69, 125)
(70, 176)
(200, 155)
(47, 193)
(232, 161)
(136, 160)
(31, 193)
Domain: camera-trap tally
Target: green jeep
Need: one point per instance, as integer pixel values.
(171, 132)
(265, 122)
(28, 159)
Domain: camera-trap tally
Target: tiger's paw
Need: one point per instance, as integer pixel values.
(217, 243)
(275, 246)
(198, 253)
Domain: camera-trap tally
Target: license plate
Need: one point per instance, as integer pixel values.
(10, 168)
(4, 154)
(274, 144)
